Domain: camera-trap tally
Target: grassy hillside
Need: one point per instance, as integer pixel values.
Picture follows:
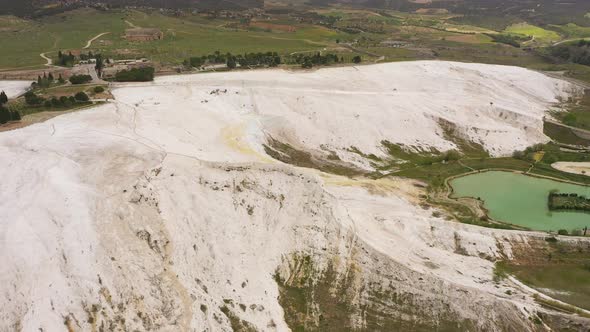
(183, 37)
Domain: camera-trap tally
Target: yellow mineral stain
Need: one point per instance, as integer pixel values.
(234, 137)
(381, 187)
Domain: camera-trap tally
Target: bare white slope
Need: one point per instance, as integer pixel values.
(150, 211)
(14, 88)
(501, 107)
(572, 167)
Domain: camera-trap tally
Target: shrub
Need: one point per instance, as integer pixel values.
(231, 63)
(55, 102)
(562, 232)
(570, 119)
(195, 62)
(357, 59)
(80, 79)
(81, 96)
(98, 89)
(518, 155)
(47, 103)
(451, 155)
(4, 115)
(16, 116)
(136, 75)
(32, 99)
(64, 100)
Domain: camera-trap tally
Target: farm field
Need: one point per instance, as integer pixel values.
(183, 38)
(425, 36)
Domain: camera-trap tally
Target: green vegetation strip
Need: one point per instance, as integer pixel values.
(567, 201)
(556, 269)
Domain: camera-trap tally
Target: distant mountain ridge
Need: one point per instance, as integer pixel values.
(47, 7)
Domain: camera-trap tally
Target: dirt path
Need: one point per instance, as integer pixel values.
(569, 40)
(131, 25)
(49, 62)
(377, 57)
(95, 38)
(587, 132)
(309, 41)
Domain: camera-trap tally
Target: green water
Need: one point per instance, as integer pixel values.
(521, 200)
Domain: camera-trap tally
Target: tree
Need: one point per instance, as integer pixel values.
(136, 75)
(80, 79)
(81, 96)
(357, 59)
(61, 79)
(196, 62)
(64, 100)
(55, 102)
(65, 59)
(99, 65)
(3, 98)
(16, 116)
(50, 77)
(4, 115)
(231, 63)
(32, 99)
(307, 63)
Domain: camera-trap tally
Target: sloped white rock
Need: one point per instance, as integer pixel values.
(160, 205)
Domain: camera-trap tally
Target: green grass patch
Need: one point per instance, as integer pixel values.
(492, 22)
(541, 36)
(183, 37)
(559, 269)
(571, 30)
(567, 282)
(578, 112)
(564, 134)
